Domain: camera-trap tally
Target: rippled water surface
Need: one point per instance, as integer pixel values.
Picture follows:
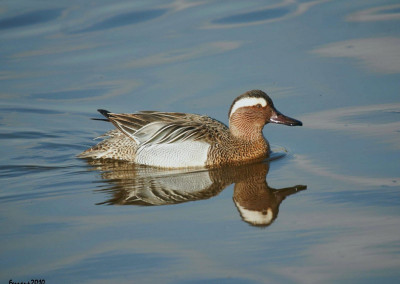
(326, 209)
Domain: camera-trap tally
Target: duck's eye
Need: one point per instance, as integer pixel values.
(258, 105)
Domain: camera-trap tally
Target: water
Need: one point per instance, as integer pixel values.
(326, 211)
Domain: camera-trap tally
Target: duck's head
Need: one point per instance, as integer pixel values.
(250, 111)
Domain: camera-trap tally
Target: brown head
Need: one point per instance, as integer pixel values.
(249, 113)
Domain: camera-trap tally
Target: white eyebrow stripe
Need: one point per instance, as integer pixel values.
(246, 102)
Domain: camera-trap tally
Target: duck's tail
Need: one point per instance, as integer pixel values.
(104, 112)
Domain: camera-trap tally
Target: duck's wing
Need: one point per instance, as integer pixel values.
(152, 127)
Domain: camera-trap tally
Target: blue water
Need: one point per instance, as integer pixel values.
(325, 211)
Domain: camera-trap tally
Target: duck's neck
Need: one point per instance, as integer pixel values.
(245, 128)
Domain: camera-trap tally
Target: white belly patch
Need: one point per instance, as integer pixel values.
(174, 155)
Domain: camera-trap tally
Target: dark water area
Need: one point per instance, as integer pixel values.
(120, 20)
(30, 18)
(324, 209)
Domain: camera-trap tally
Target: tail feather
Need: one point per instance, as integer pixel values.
(104, 112)
(101, 119)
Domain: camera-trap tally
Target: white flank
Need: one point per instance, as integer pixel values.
(174, 155)
(247, 102)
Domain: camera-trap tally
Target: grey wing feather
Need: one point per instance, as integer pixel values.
(168, 133)
(150, 127)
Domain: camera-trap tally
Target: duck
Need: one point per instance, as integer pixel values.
(184, 140)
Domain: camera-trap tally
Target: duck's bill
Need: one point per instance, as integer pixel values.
(279, 118)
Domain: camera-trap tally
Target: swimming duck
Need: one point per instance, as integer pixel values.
(181, 140)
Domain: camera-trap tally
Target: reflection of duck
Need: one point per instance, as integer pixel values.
(179, 140)
(133, 184)
(258, 203)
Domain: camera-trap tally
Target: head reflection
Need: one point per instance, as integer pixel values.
(131, 184)
(257, 203)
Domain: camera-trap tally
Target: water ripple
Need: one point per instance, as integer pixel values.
(381, 13)
(377, 55)
(70, 94)
(30, 110)
(18, 170)
(30, 18)
(380, 122)
(284, 9)
(124, 19)
(26, 135)
(254, 16)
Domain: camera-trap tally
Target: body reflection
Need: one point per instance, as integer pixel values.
(132, 184)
